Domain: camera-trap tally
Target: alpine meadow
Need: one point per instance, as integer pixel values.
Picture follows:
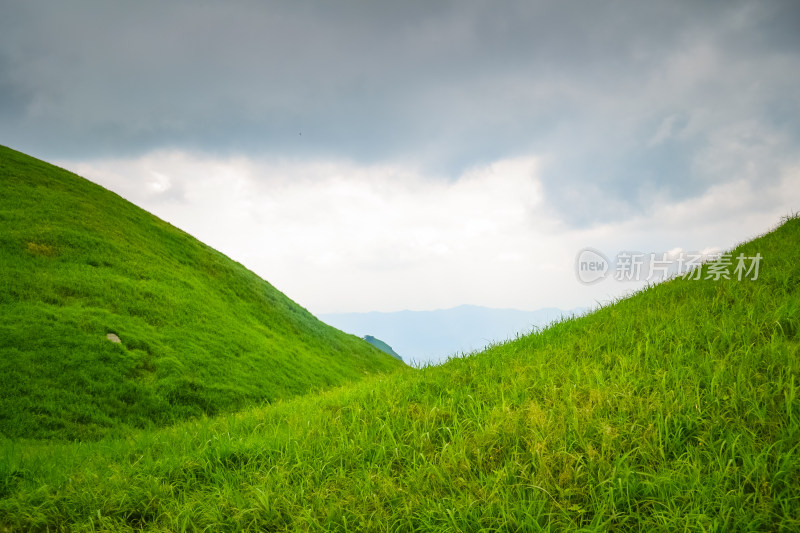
(199, 334)
(227, 407)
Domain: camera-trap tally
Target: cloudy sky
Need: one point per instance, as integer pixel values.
(419, 155)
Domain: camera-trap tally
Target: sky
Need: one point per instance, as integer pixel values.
(380, 156)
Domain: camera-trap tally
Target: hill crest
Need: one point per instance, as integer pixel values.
(199, 333)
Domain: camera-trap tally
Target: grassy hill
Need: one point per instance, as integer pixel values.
(675, 409)
(200, 334)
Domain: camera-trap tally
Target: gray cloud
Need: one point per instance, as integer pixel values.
(627, 102)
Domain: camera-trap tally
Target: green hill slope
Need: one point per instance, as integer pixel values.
(382, 346)
(674, 410)
(200, 334)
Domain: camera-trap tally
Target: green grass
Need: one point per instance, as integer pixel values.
(200, 333)
(673, 410)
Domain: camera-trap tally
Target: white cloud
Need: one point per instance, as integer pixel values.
(336, 236)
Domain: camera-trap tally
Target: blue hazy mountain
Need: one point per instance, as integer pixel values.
(430, 337)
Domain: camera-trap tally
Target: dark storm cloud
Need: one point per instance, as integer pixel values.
(625, 100)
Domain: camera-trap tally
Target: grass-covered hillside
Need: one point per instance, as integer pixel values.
(200, 334)
(677, 409)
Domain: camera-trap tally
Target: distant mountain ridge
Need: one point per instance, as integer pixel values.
(432, 336)
(382, 346)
